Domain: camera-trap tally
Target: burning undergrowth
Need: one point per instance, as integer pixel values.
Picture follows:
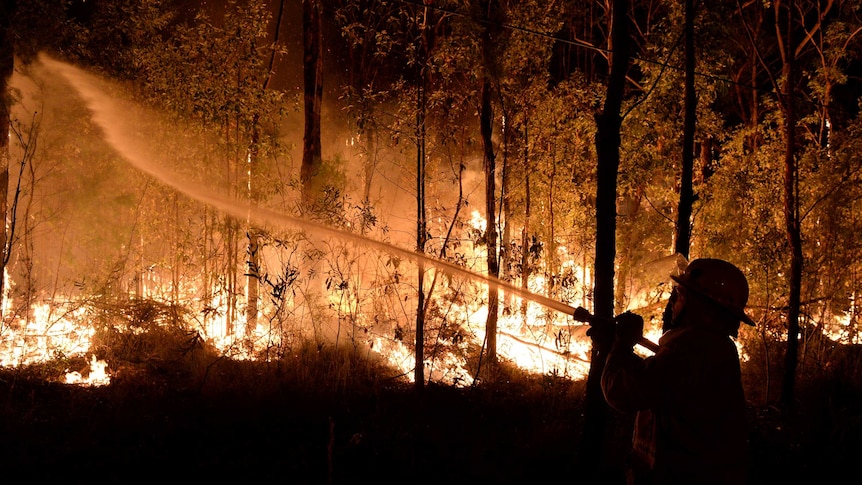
(163, 264)
(317, 416)
(321, 414)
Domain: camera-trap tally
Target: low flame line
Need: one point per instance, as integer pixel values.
(566, 355)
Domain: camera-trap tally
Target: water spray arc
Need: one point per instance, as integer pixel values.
(119, 133)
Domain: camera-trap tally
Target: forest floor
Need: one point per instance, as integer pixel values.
(262, 423)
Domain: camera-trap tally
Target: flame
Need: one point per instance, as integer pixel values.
(530, 336)
(36, 338)
(98, 375)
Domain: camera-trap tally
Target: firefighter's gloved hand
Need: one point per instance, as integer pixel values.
(602, 334)
(630, 329)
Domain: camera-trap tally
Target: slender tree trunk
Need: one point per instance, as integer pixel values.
(231, 249)
(421, 239)
(27, 219)
(682, 228)
(207, 270)
(608, 123)
(505, 259)
(7, 61)
(791, 213)
(178, 251)
(253, 259)
(231, 228)
(252, 250)
(526, 268)
(682, 241)
(421, 215)
(490, 169)
(489, 166)
(552, 261)
(313, 98)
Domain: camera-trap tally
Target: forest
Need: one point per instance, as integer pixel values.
(335, 241)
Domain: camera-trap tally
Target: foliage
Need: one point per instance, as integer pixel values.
(207, 75)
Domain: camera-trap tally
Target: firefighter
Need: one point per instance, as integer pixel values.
(690, 422)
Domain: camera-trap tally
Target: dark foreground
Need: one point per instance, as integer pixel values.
(249, 423)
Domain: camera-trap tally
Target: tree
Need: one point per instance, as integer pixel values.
(312, 68)
(422, 74)
(788, 44)
(214, 75)
(253, 250)
(489, 13)
(608, 123)
(686, 193)
(367, 30)
(7, 61)
(795, 24)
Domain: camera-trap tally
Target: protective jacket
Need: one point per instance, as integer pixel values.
(690, 426)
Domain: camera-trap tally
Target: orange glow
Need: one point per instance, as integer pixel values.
(43, 335)
(98, 375)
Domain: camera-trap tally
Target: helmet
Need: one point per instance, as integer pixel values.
(719, 281)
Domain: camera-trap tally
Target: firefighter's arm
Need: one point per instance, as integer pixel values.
(625, 380)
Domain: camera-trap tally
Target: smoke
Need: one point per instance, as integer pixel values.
(119, 129)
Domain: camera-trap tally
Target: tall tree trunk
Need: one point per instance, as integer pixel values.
(682, 228)
(489, 166)
(313, 98)
(608, 123)
(552, 260)
(490, 169)
(252, 250)
(253, 246)
(506, 209)
(421, 239)
(421, 215)
(791, 211)
(7, 62)
(231, 230)
(526, 268)
(682, 241)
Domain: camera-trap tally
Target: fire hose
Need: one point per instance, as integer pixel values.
(581, 314)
